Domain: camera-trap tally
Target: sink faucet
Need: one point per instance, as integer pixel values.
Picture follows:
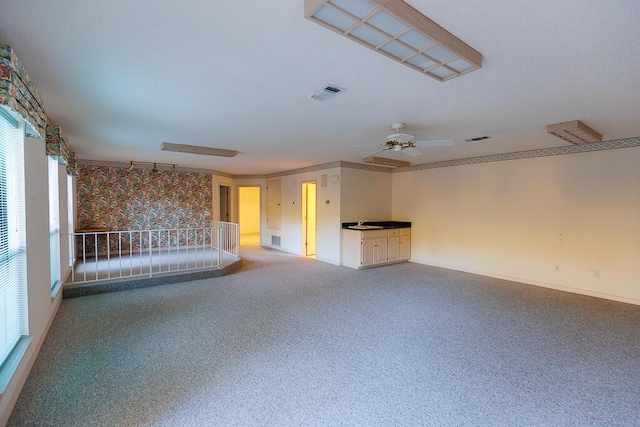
(361, 222)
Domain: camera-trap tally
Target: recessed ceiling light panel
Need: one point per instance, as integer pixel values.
(197, 149)
(383, 161)
(574, 132)
(398, 31)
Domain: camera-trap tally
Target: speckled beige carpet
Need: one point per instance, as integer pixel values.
(289, 341)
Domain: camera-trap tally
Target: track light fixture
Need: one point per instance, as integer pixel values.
(154, 168)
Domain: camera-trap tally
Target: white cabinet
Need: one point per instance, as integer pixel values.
(368, 248)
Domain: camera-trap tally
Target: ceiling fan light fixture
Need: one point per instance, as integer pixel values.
(398, 31)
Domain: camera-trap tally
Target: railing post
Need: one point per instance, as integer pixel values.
(150, 256)
(219, 247)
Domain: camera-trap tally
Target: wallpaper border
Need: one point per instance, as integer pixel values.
(528, 154)
(516, 155)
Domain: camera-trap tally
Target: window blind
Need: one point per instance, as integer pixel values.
(13, 274)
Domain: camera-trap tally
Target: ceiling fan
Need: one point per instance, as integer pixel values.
(404, 143)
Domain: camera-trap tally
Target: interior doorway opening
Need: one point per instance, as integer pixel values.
(225, 203)
(249, 215)
(309, 218)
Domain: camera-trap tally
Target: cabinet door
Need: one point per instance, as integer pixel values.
(404, 247)
(367, 252)
(379, 251)
(393, 248)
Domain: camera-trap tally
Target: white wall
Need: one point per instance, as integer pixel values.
(365, 195)
(42, 308)
(548, 221)
(327, 221)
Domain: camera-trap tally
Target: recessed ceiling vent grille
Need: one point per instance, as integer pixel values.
(477, 138)
(328, 92)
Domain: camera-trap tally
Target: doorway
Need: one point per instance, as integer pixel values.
(225, 203)
(309, 218)
(249, 215)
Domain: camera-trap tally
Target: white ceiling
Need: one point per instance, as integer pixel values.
(121, 76)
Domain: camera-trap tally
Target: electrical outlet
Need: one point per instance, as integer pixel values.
(596, 274)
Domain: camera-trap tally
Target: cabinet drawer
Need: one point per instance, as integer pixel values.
(405, 231)
(372, 234)
(394, 232)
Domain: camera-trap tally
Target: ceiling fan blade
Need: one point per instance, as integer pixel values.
(435, 143)
(379, 151)
(412, 152)
(363, 145)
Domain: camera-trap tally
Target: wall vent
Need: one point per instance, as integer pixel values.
(328, 92)
(275, 240)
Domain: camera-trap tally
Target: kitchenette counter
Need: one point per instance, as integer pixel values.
(373, 225)
(374, 243)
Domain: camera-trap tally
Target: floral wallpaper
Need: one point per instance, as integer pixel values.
(141, 199)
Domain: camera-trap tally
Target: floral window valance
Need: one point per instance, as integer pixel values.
(57, 146)
(19, 94)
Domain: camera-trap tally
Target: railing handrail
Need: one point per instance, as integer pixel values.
(219, 236)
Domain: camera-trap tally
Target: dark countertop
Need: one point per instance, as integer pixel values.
(383, 224)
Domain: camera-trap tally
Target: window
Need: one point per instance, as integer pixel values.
(13, 271)
(70, 219)
(54, 223)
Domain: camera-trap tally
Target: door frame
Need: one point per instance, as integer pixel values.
(259, 187)
(305, 222)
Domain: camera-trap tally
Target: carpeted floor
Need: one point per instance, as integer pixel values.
(289, 341)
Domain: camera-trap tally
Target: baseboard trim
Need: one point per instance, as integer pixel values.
(553, 286)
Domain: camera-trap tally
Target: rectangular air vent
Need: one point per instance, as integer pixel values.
(328, 92)
(477, 138)
(275, 240)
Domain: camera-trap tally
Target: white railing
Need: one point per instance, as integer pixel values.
(104, 255)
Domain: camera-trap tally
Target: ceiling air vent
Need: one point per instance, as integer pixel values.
(477, 138)
(329, 91)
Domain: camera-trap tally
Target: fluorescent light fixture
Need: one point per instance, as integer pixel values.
(196, 149)
(574, 132)
(383, 161)
(398, 31)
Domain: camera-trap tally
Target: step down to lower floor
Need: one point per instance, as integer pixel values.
(73, 290)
